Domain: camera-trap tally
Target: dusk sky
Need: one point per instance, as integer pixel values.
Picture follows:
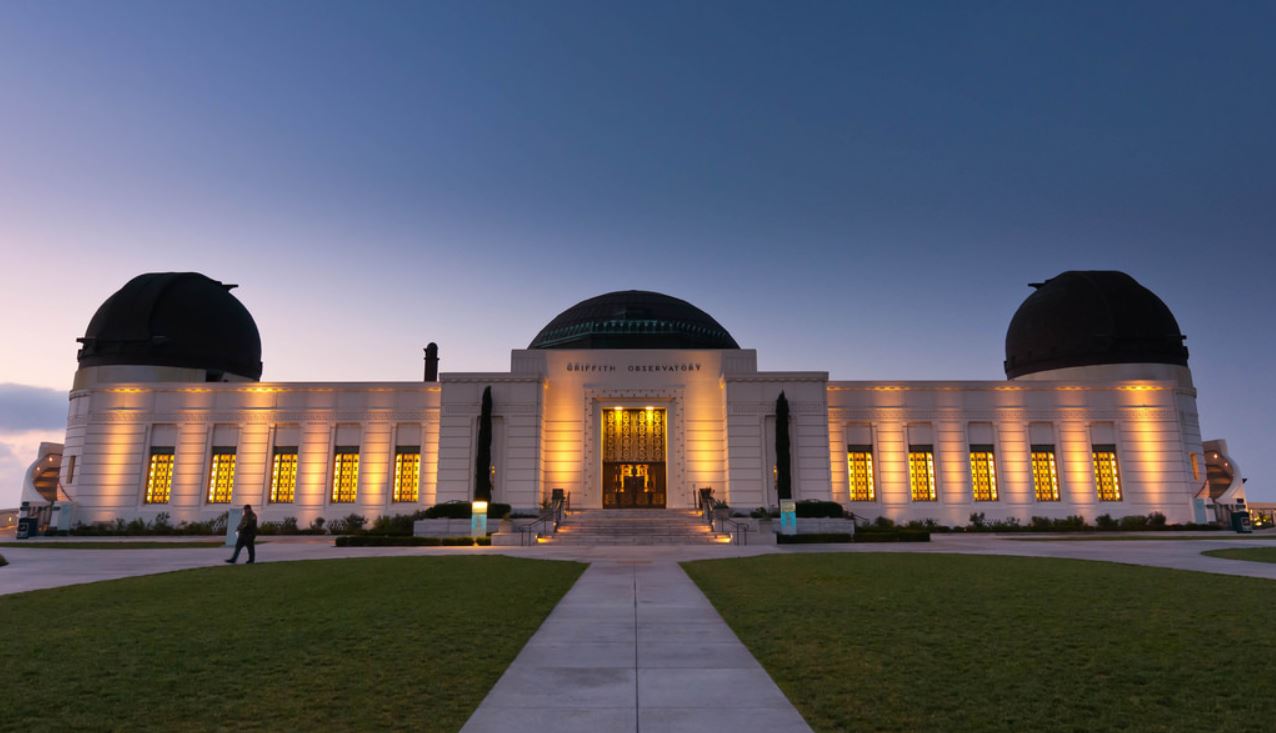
(865, 189)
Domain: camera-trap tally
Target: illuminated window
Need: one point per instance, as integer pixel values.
(1107, 479)
(283, 476)
(859, 471)
(921, 472)
(1195, 459)
(70, 469)
(1045, 475)
(345, 475)
(407, 473)
(983, 473)
(159, 476)
(221, 476)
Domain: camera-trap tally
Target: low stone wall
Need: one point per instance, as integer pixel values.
(444, 527)
(822, 525)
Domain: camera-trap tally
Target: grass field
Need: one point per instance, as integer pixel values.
(1148, 537)
(896, 642)
(124, 545)
(409, 643)
(1253, 554)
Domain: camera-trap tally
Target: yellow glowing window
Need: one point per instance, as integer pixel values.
(983, 473)
(1045, 474)
(283, 476)
(221, 476)
(921, 472)
(1107, 480)
(407, 473)
(859, 472)
(1195, 459)
(159, 476)
(345, 475)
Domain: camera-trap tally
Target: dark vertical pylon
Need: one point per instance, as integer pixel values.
(483, 460)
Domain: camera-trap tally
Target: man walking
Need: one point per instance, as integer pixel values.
(245, 536)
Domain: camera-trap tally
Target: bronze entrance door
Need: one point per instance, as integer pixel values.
(634, 458)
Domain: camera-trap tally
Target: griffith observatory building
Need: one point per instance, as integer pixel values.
(637, 400)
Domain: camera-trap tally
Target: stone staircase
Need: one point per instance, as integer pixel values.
(636, 527)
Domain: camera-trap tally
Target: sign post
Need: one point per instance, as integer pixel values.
(788, 516)
(478, 519)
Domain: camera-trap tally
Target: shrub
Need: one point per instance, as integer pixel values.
(1133, 523)
(813, 509)
(161, 524)
(814, 538)
(369, 540)
(449, 510)
(350, 524)
(316, 524)
(397, 525)
(883, 523)
(1156, 520)
(762, 513)
(873, 534)
(1106, 523)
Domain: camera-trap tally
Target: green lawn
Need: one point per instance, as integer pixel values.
(411, 643)
(1148, 537)
(928, 642)
(1255, 554)
(123, 545)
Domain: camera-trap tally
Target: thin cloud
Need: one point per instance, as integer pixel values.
(24, 407)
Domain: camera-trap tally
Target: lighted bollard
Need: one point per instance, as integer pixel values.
(478, 519)
(788, 516)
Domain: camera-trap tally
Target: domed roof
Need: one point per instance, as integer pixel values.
(633, 319)
(1089, 317)
(175, 319)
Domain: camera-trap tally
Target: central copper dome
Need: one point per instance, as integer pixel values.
(633, 319)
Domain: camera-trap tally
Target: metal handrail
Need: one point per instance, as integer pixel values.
(551, 517)
(739, 530)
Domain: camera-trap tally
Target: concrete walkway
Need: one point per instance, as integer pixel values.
(635, 646)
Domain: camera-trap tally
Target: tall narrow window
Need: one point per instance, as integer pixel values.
(921, 472)
(1045, 474)
(859, 472)
(1107, 479)
(159, 476)
(407, 473)
(221, 476)
(70, 468)
(283, 475)
(1194, 458)
(345, 474)
(983, 473)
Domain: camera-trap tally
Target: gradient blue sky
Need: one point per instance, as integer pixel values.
(862, 188)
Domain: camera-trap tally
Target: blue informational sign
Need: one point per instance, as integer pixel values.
(478, 519)
(788, 516)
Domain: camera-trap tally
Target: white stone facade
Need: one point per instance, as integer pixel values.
(547, 418)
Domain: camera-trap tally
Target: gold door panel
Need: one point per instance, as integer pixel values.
(634, 458)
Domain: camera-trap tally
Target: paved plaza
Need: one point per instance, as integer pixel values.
(634, 645)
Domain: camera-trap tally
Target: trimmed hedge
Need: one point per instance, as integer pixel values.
(3, 561)
(372, 540)
(874, 534)
(814, 509)
(461, 510)
(814, 538)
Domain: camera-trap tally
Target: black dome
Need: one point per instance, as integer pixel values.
(633, 319)
(1089, 317)
(175, 319)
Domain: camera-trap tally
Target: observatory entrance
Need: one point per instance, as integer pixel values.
(634, 458)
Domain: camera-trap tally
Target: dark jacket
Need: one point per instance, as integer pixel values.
(248, 526)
